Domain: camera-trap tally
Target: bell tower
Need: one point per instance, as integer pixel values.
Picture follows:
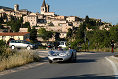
(44, 7)
(16, 7)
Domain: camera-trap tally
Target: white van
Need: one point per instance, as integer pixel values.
(62, 44)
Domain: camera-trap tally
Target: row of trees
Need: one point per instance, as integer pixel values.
(94, 39)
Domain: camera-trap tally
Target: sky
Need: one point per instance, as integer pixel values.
(106, 10)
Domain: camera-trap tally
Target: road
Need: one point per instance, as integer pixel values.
(89, 66)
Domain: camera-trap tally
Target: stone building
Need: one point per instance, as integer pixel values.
(31, 18)
(72, 18)
(16, 13)
(35, 19)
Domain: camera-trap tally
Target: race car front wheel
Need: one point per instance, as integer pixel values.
(50, 61)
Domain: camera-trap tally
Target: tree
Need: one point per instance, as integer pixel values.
(80, 33)
(15, 27)
(33, 34)
(1, 26)
(1, 20)
(45, 34)
(15, 24)
(98, 39)
(49, 34)
(87, 19)
(57, 36)
(26, 25)
(29, 29)
(69, 33)
(41, 32)
(114, 33)
(91, 23)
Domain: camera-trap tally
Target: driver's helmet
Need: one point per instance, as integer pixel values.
(60, 48)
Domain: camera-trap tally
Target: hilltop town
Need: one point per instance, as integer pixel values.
(46, 45)
(45, 19)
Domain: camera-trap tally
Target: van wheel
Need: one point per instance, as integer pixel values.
(12, 47)
(28, 47)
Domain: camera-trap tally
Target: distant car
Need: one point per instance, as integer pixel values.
(21, 44)
(62, 44)
(37, 44)
(62, 55)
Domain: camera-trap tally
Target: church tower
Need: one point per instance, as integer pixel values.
(44, 7)
(16, 7)
(48, 7)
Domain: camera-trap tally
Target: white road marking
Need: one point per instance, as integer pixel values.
(115, 69)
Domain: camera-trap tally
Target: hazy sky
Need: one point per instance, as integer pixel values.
(107, 10)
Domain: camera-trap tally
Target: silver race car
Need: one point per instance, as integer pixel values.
(62, 55)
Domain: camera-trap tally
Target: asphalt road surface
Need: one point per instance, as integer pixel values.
(90, 66)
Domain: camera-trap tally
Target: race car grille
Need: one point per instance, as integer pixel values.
(58, 59)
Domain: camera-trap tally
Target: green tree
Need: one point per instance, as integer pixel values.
(41, 32)
(29, 29)
(57, 36)
(80, 34)
(33, 34)
(26, 25)
(114, 33)
(69, 33)
(1, 20)
(74, 44)
(45, 34)
(87, 19)
(15, 24)
(15, 27)
(1, 26)
(98, 39)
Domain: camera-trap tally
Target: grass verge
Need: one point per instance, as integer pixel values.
(14, 59)
(103, 50)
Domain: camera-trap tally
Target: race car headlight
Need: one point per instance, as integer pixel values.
(62, 54)
(68, 53)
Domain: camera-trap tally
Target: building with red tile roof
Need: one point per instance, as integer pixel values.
(14, 35)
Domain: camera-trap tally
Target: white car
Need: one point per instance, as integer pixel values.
(21, 44)
(60, 55)
(62, 44)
